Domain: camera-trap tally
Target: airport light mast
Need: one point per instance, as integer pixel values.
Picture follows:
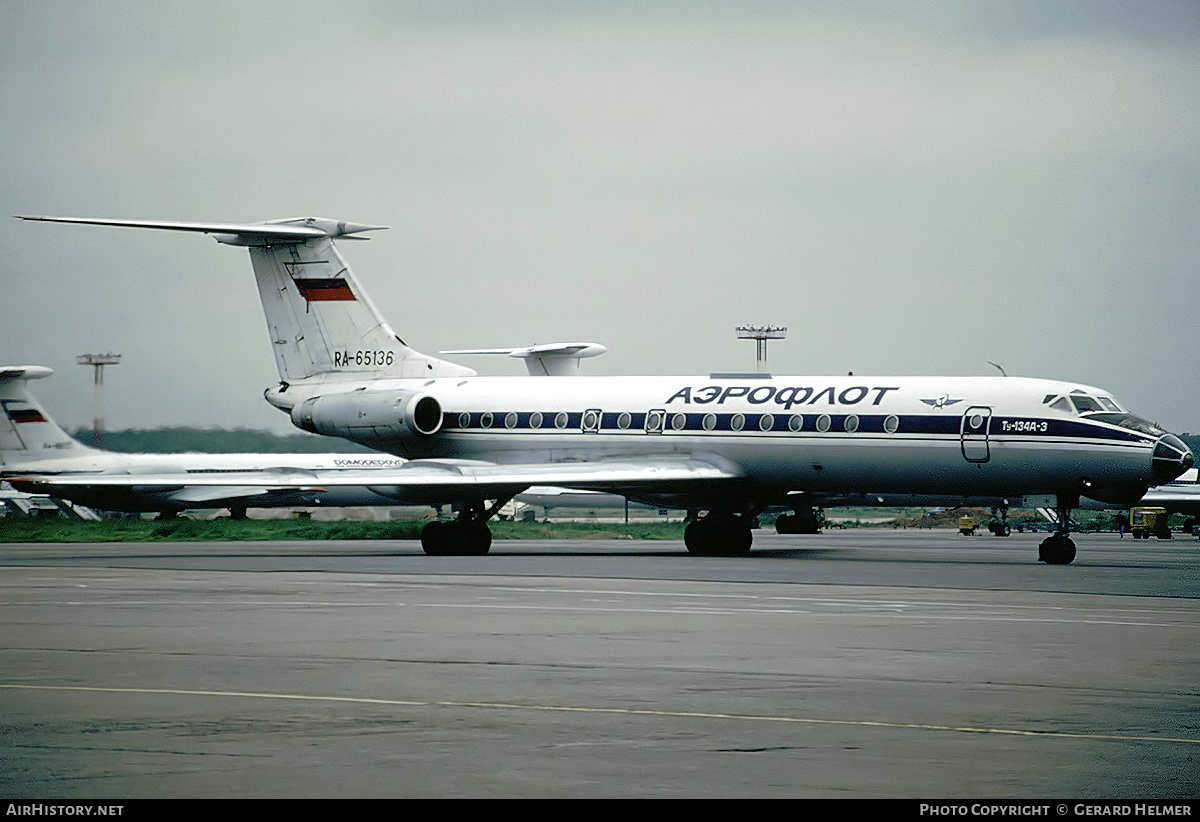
(97, 362)
(760, 335)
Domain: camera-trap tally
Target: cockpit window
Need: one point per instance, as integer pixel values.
(1078, 401)
(1085, 404)
(1129, 421)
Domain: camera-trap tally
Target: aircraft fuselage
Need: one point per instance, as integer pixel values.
(936, 435)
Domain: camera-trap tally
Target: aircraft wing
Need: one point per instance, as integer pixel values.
(424, 480)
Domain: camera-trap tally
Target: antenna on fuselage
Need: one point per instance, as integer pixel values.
(1003, 373)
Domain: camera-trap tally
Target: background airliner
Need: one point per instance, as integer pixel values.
(730, 444)
(32, 445)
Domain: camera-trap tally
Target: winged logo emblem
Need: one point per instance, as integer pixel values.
(941, 402)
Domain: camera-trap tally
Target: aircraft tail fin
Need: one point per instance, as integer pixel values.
(321, 322)
(27, 432)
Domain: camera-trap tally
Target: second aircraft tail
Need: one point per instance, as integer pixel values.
(27, 433)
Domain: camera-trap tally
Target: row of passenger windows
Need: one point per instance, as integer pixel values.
(660, 421)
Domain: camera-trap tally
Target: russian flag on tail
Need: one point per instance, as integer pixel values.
(25, 415)
(325, 290)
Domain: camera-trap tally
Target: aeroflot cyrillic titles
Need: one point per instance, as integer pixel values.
(786, 396)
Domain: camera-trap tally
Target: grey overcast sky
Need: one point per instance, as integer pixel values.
(910, 188)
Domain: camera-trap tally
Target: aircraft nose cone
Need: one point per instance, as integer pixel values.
(1171, 458)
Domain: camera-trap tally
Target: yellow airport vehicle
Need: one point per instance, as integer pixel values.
(1149, 522)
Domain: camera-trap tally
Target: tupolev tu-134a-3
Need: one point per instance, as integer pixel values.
(730, 445)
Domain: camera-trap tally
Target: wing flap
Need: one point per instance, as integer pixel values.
(196, 495)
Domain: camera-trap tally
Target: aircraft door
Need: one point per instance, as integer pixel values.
(976, 422)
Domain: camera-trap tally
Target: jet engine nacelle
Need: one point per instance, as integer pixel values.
(370, 416)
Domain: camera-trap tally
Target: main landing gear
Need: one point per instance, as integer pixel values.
(467, 536)
(719, 534)
(801, 522)
(1059, 548)
(456, 538)
(999, 524)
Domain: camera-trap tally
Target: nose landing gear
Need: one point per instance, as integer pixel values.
(1059, 548)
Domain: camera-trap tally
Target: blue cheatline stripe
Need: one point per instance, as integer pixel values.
(760, 423)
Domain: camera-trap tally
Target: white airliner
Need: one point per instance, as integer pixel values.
(1181, 496)
(34, 447)
(732, 444)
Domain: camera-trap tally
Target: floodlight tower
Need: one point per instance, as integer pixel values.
(760, 335)
(97, 362)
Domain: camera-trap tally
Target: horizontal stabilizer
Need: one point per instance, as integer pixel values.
(8, 373)
(274, 232)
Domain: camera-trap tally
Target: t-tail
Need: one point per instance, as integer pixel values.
(27, 433)
(323, 326)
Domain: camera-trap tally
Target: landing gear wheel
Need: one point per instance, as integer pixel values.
(433, 539)
(718, 535)
(797, 524)
(478, 539)
(1056, 550)
(461, 538)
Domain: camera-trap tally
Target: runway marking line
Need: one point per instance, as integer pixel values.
(863, 723)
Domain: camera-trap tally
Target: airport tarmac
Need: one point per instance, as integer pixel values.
(856, 664)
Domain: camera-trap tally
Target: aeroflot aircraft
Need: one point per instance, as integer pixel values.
(729, 444)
